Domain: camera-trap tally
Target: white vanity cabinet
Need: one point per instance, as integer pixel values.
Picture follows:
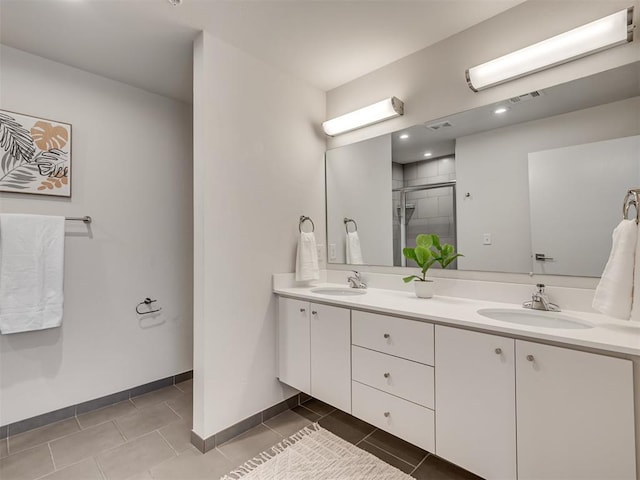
(572, 410)
(393, 376)
(314, 350)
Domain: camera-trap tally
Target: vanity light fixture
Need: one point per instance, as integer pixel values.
(607, 32)
(378, 112)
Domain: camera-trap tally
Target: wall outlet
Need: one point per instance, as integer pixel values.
(332, 251)
(320, 249)
(486, 239)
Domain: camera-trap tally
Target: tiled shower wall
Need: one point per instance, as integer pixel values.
(434, 209)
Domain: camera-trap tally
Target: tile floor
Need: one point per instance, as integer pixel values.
(148, 437)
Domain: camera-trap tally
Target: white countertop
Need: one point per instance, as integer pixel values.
(608, 334)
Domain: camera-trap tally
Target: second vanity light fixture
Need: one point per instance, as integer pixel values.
(593, 37)
(378, 112)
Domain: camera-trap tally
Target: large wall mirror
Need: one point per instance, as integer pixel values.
(534, 183)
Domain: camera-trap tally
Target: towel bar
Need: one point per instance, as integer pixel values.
(346, 224)
(85, 219)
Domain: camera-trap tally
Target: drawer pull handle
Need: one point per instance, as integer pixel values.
(386, 335)
(498, 351)
(387, 375)
(313, 312)
(530, 358)
(303, 310)
(386, 414)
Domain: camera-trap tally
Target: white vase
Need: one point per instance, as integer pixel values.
(424, 289)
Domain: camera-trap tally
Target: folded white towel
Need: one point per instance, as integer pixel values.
(354, 252)
(635, 304)
(614, 293)
(31, 272)
(307, 258)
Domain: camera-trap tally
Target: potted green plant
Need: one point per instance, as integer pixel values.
(427, 252)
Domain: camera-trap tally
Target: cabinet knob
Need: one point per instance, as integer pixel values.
(386, 335)
(387, 375)
(386, 414)
(313, 312)
(498, 351)
(530, 358)
(303, 310)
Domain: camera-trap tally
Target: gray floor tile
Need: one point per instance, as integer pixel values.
(146, 420)
(85, 470)
(397, 447)
(308, 414)
(186, 386)
(27, 465)
(134, 457)
(4, 450)
(249, 444)
(434, 468)
(157, 396)
(42, 435)
(386, 457)
(178, 434)
(183, 406)
(192, 465)
(345, 426)
(318, 407)
(105, 414)
(288, 423)
(85, 443)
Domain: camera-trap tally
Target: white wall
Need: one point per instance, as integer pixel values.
(432, 82)
(493, 167)
(258, 166)
(132, 173)
(359, 187)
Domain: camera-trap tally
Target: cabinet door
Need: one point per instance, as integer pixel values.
(294, 354)
(575, 415)
(475, 401)
(331, 355)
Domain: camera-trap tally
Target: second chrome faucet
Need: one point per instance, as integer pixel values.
(355, 281)
(539, 301)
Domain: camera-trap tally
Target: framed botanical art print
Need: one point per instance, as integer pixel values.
(35, 155)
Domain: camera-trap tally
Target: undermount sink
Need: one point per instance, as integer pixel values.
(338, 291)
(534, 318)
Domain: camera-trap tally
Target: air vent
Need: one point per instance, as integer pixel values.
(526, 97)
(438, 126)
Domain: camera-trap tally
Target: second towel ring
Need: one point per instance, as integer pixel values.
(632, 198)
(304, 219)
(346, 224)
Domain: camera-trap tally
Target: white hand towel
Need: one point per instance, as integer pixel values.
(307, 258)
(354, 252)
(613, 295)
(31, 272)
(635, 304)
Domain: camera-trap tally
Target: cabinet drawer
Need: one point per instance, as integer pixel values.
(401, 418)
(404, 378)
(404, 338)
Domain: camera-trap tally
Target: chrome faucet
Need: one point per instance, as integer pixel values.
(355, 281)
(539, 301)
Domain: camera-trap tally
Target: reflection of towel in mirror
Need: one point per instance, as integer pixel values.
(31, 272)
(614, 294)
(307, 258)
(354, 252)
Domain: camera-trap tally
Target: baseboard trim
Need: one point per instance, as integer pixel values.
(84, 407)
(211, 442)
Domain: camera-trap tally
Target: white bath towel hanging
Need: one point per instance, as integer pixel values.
(635, 303)
(307, 258)
(31, 272)
(354, 251)
(614, 294)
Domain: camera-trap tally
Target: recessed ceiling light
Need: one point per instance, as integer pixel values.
(500, 110)
(404, 136)
(427, 154)
(175, 3)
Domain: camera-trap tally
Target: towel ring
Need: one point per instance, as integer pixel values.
(304, 219)
(631, 199)
(346, 224)
(147, 301)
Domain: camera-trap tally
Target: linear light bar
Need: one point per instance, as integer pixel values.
(378, 112)
(593, 37)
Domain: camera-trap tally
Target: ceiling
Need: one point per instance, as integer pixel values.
(148, 43)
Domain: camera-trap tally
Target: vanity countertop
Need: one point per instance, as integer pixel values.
(608, 334)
